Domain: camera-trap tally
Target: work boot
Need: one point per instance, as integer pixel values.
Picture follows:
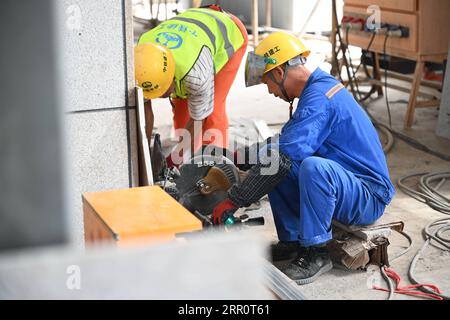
(309, 265)
(284, 250)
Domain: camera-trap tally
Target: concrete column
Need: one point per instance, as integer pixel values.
(96, 48)
(32, 189)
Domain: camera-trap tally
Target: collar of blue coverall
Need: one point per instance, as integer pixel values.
(312, 78)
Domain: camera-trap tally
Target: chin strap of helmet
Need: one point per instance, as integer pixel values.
(291, 108)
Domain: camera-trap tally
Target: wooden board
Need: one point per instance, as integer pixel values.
(129, 215)
(95, 229)
(145, 164)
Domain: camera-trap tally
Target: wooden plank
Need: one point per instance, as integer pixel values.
(255, 23)
(425, 83)
(409, 78)
(334, 61)
(95, 229)
(438, 58)
(400, 88)
(409, 116)
(268, 13)
(390, 85)
(428, 103)
(146, 173)
(377, 73)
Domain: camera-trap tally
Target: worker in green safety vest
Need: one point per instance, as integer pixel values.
(193, 59)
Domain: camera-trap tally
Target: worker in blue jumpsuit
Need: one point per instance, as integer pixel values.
(331, 162)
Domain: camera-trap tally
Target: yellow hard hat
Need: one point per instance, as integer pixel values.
(273, 51)
(154, 67)
(281, 47)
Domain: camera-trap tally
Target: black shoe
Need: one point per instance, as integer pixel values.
(309, 265)
(284, 250)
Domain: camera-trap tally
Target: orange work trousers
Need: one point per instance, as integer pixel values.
(217, 122)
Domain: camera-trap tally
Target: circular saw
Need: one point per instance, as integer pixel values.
(204, 183)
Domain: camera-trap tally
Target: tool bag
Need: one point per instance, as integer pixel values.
(353, 253)
(356, 247)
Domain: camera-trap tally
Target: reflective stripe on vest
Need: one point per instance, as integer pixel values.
(223, 30)
(202, 26)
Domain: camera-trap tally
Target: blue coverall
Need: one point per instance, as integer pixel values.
(338, 171)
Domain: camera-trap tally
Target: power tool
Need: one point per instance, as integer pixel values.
(203, 183)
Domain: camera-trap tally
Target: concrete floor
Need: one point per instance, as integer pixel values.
(433, 267)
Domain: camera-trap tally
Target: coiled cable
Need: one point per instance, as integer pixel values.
(435, 231)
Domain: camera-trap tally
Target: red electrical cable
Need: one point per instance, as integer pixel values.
(411, 289)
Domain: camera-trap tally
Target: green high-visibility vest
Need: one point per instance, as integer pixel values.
(186, 35)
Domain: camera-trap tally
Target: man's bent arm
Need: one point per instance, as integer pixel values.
(190, 126)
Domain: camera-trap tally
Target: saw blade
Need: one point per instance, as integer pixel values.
(190, 174)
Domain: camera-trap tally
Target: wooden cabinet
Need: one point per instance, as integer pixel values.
(402, 46)
(428, 22)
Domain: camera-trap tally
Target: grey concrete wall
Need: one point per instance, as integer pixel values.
(96, 62)
(31, 167)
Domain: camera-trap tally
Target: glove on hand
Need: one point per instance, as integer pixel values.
(223, 210)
